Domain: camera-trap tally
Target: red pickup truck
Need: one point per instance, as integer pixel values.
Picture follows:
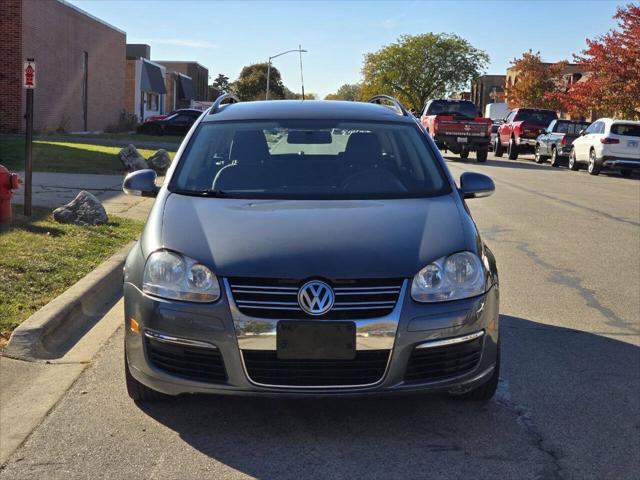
(455, 125)
(519, 131)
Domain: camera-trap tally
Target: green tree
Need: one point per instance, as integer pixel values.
(350, 92)
(289, 95)
(419, 67)
(221, 83)
(252, 83)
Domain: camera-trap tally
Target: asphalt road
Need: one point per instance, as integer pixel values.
(568, 247)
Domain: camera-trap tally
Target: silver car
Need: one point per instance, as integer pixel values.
(310, 248)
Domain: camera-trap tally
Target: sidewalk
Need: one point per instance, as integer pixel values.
(52, 190)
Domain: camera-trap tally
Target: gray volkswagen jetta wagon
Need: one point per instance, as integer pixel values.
(310, 248)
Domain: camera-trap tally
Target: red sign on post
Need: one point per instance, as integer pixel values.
(29, 75)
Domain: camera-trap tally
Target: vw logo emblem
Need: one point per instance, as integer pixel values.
(315, 297)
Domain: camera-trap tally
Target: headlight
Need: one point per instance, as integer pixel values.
(174, 276)
(457, 276)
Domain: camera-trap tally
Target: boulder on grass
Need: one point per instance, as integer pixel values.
(85, 209)
(131, 159)
(159, 161)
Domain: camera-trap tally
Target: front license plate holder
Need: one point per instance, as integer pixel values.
(315, 340)
(463, 139)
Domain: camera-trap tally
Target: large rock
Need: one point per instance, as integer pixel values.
(85, 209)
(131, 159)
(159, 161)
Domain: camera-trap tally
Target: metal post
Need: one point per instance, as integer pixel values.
(268, 75)
(301, 76)
(28, 163)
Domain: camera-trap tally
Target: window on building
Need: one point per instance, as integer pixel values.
(152, 101)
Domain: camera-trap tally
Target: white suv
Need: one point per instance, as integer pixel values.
(607, 143)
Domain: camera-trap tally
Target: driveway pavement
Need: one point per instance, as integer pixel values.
(568, 405)
(54, 189)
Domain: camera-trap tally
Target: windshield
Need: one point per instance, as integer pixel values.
(538, 117)
(309, 160)
(571, 127)
(443, 107)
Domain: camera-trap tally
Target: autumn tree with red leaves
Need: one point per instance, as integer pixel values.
(534, 81)
(611, 86)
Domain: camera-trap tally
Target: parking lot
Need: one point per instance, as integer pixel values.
(567, 406)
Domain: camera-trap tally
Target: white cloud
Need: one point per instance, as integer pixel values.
(180, 42)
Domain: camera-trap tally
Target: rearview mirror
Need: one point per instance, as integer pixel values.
(141, 183)
(476, 185)
(302, 137)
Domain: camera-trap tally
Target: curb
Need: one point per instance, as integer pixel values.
(50, 331)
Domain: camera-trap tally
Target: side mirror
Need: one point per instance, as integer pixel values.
(142, 183)
(582, 132)
(543, 131)
(476, 185)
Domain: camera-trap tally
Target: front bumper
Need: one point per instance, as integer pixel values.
(214, 324)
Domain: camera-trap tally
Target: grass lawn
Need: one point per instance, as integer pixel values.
(67, 157)
(125, 137)
(41, 258)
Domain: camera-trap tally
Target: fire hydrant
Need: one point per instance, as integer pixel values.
(8, 182)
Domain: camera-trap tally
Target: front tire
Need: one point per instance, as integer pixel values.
(498, 149)
(513, 149)
(593, 168)
(464, 154)
(481, 155)
(540, 158)
(487, 390)
(573, 161)
(554, 158)
(137, 391)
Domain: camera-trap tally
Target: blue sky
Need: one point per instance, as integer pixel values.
(225, 36)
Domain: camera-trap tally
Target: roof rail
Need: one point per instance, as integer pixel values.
(215, 107)
(397, 106)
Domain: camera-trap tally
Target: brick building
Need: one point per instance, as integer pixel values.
(80, 67)
(144, 85)
(193, 70)
(487, 89)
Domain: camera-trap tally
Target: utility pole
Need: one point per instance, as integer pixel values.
(278, 55)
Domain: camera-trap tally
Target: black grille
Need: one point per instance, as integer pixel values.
(278, 298)
(440, 363)
(264, 367)
(193, 363)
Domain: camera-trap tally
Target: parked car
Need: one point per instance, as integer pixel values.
(177, 124)
(519, 131)
(496, 111)
(354, 268)
(607, 143)
(494, 134)
(153, 118)
(455, 125)
(554, 142)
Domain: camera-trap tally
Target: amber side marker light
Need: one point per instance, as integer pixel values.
(133, 325)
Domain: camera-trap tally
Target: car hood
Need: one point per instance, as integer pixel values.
(325, 238)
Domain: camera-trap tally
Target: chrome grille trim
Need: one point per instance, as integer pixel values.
(259, 333)
(259, 295)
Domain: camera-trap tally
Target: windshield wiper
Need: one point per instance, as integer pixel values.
(203, 193)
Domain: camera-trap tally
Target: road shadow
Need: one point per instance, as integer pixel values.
(522, 164)
(556, 383)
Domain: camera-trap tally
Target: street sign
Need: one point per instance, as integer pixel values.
(29, 74)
